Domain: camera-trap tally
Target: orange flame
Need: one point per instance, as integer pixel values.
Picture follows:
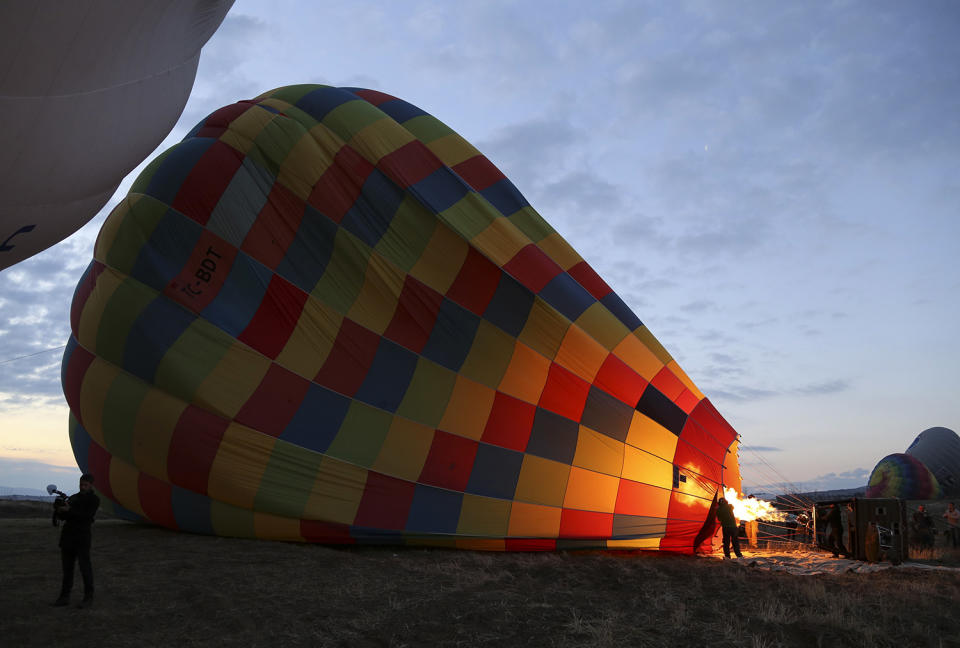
(747, 509)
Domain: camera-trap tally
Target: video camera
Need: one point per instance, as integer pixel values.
(58, 503)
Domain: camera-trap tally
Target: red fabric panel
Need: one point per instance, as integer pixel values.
(476, 283)
(275, 227)
(203, 275)
(82, 293)
(415, 315)
(509, 423)
(479, 172)
(385, 503)
(327, 532)
(585, 524)
(98, 465)
(373, 96)
(193, 446)
(687, 516)
(276, 318)
(633, 498)
(156, 500)
(80, 360)
(698, 452)
(530, 544)
(617, 379)
(449, 461)
(218, 122)
(409, 164)
(668, 384)
(532, 267)
(687, 400)
(710, 420)
(274, 403)
(564, 393)
(590, 280)
(203, 187)
(340, 185)
(350, 358)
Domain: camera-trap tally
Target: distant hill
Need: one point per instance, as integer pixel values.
(19, 492)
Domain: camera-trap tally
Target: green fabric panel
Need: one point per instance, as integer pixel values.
(228, 520)
(191, 358)
(120, 409)
(143, 180)
(302, 117)
(294, 93)
(489, 356)
(348, 119)
(343, 278)
(408, 235)
(427, 395)
(361, 435)
(287, 480)
(528, 221)
(427, 128)
(120, 312)
(135, 230)
(470, 215)
(274, 143)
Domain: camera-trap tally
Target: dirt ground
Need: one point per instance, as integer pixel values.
(156, 587)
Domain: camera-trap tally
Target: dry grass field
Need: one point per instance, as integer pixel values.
(159, 588)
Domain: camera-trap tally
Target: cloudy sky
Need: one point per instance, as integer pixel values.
(773, 188)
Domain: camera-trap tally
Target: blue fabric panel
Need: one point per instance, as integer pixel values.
(553, 437)
(241, 202)
(505, 197)
(452, 336)
(510, 305)
(388, 377)
(321, 101)
(192, 511)
(318, 419)
(495, 472)
(68, 352)
(175, 168)
(371, 214)
(434, 510)
(167, 250)
(240, 297)
(151, 336)
(374, 536)
(308, 254)
(80, 442)
(661, 409)
(400, 110)
(567, 296)
(621, 311)
(606, 414)
(638, 526)
(440, 190)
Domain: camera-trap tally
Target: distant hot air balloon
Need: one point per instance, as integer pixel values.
(88, 89)
(325, 316)
(900, 475)
(939, 450)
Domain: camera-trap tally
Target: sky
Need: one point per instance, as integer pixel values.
(772, 187)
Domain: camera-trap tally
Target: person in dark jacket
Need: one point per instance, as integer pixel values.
(729, 526)
(75, 537)
(835, 538)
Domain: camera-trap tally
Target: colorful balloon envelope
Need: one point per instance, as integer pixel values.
(900, 475)
(325, 316)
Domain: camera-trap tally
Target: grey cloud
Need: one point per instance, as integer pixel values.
(829, 387)
(761, 448)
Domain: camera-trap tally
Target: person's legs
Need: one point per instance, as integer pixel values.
(68, 557)
(86, 570)
(735, 541)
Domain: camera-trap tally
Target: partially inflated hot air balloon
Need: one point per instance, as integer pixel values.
(902, 476)
(324, 316)
(88, 89)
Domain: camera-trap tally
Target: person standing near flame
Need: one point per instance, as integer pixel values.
(729, 526)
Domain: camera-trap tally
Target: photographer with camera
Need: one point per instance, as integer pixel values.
(77, 513)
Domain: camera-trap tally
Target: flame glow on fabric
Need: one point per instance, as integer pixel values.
(325, 316)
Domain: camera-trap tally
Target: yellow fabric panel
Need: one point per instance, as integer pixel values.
(500, 241)
(545, 329)
(647, 434)
(640, 466)
(452, 149)
(275, 527)
(483, 516)
(336, 493)
(603, 326)
(542, 481)
(93, 392)
(598, 452)
(639, 357)
(637, 543)
(731, 467)
(581, 354)
(405, 449)
(311, 340)
(374, 306)
(481, 544)
(468, 409)
(239, 464)
(684, 378)
(103, 290)
(491, 347)
(534, 521)
(591, 491)
(123, 482)
(644, 335)
(526, 375)
(441, 259)
(309, 159)
(559, 250)
(245, 128)
(156, 420)
(379, 139)
(232, 381)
